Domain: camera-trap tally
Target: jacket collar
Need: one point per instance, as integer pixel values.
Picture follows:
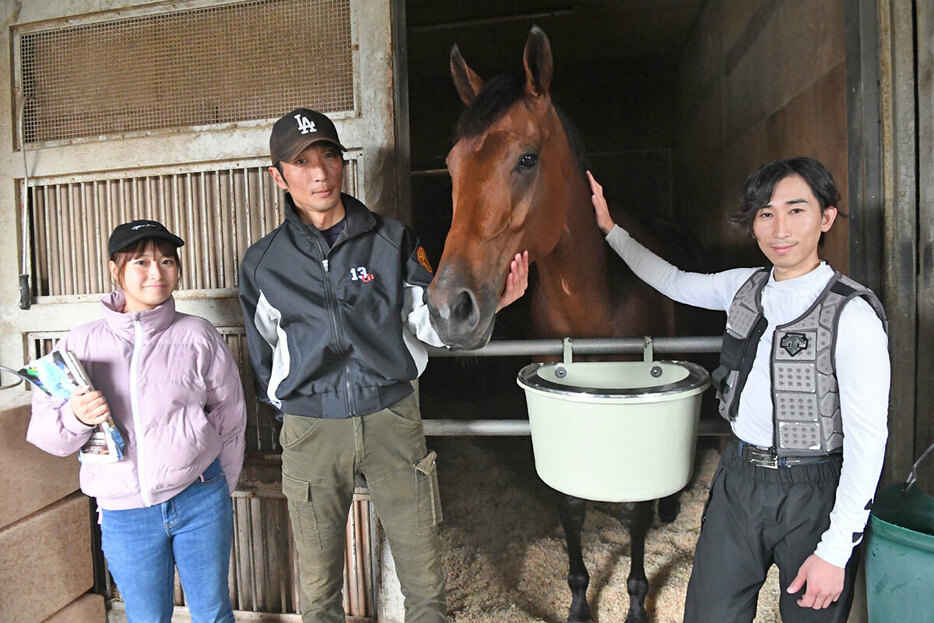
(152, 321)
(359, 219)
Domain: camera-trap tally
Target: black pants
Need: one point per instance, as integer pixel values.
(754, 517)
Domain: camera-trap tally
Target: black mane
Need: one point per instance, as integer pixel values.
(495, 98)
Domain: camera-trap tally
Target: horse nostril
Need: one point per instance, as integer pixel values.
(465, 309)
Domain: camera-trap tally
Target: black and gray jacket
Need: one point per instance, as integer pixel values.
(805, 398)
(336, 332)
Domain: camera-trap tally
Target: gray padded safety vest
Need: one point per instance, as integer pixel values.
(805, 398)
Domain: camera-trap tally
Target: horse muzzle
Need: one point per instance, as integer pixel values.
(462, 317)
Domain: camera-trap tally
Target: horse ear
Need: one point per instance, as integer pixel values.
(538, 64)
(467, 82)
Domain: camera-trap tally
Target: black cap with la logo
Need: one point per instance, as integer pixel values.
(297, 130)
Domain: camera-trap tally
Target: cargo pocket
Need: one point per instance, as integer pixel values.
(428, 494)
(302, 513)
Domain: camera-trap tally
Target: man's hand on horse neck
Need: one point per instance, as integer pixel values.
(516, 281)
(601, 211)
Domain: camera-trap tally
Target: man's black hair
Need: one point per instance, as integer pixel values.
(759, 186)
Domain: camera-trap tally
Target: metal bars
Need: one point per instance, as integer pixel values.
(218, 212)
(70, 222)
(264, 567)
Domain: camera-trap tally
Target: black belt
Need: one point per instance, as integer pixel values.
(766, 457)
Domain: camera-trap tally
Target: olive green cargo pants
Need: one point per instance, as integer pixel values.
(320, 459)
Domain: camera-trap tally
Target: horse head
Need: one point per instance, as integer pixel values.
(509, 169)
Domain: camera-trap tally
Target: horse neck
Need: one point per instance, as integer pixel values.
(573, 285)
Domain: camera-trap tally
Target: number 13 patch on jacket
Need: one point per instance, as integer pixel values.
(423, 260)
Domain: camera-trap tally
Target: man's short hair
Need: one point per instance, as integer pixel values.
(759, 186)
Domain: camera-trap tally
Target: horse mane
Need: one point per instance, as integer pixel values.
(496, 97)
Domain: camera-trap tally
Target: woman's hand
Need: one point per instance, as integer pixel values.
(601, 211)
(90, 407)
(516, 281)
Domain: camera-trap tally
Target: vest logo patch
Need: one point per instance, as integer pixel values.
(794, 343)
(422, 258)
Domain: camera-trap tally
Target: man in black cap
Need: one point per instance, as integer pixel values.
(335, 316)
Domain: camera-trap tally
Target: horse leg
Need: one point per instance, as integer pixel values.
(669, 506)
(637, 517)
(573, 510)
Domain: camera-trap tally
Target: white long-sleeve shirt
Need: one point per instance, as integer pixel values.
(862, 364)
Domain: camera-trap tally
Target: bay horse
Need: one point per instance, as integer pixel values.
(518, 179)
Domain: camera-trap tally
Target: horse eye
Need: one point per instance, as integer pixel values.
(527, 161)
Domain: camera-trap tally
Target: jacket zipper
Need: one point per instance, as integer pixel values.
(332, 304)
(134, 406)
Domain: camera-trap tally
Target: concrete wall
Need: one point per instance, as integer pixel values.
(46, 568)
(758, 80)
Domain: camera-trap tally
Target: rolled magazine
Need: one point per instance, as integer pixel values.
(60, 373)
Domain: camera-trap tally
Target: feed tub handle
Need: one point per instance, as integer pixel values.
(912, 477)
(568, 355)
(647, 351)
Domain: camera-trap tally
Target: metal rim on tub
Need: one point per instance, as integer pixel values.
(697, 378)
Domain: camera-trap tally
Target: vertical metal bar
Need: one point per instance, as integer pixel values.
(207, 252)
(220, 238)
(359, 521)
(99, 232)
(44, 269)
(261, 201)
(73, 238)
(60, 237)
(186, 279)
(122, 201)
(35, 226)
(84, 267)
(252, 555)
(110, 198)
(347, 593)
(232, 208)
(285, 576)
(137, 203)
(233, 580)
(246, 209)
(293, 557)
(195, 271)
(51, 226)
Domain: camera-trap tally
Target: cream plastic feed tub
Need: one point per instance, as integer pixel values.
(614, 431)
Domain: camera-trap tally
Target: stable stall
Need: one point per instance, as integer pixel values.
(132, 108)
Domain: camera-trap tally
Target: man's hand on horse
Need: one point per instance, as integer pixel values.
(823, 580)
(601, 211)
(516, 281)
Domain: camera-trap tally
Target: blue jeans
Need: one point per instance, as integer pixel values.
(192, 531)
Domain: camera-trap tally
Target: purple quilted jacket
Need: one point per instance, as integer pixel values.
(174, 392)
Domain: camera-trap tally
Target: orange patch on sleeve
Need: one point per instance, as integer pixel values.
(423, 260)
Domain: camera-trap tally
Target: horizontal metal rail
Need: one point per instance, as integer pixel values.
(588, 346)
(520, 428)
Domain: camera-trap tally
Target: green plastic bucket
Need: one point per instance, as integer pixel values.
(900, 554)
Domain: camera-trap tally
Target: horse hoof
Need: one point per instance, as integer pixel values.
(581, 615)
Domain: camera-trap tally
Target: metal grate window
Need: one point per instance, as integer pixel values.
(219, 213)
(252, 60)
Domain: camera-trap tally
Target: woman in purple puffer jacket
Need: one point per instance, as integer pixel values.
(172, 387)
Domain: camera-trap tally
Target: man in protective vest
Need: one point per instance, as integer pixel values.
(804, 382)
